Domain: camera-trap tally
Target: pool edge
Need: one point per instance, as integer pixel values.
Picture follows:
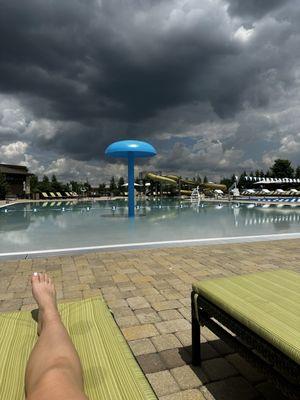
(148, 245)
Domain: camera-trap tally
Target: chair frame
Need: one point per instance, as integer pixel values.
(279, 368)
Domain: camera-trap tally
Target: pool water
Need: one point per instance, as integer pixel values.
(58, 225)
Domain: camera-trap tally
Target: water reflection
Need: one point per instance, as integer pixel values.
(67, 224)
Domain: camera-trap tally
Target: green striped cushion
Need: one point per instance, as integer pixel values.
(110, 370)
(266, 302)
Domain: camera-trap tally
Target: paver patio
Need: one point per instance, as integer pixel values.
(148, 292)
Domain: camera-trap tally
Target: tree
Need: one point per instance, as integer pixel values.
(282, 169)
(101, 189)
(198, 179)
(297, 172)
(205, 180)
(34, 184)
(112, 185)
(75, 186)
(242, 181)
(86, 188)
(55, 185)
(3, 187)
(268, 174)
(226, 181)
(45, 185)
(121, 182)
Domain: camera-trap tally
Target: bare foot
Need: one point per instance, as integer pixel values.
(43, 291)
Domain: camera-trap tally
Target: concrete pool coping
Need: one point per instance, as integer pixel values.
(147, 245)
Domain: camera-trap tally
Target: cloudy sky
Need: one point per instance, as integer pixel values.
(214, 85)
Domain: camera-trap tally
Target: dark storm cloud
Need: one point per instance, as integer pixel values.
(254, 8)
(74, 55)
(98, 71)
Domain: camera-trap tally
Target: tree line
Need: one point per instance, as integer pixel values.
(280, 169)
(47, 185)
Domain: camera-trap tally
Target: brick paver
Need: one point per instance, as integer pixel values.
(217, 369)
(168, 315)
(189, 377)
(166, 342)
(191, 394)
(244, 368)
(137, 303)
(235, 388)
(175, 325)
(151, 363)
(148, 292)
(175, 357)
(163, 383)
(141, 346)
(139, 332)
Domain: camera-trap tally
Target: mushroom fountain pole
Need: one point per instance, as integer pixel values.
(130, 149)
(130, 185)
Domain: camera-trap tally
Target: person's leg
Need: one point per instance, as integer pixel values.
(53, 370)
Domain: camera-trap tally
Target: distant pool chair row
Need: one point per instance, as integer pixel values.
(264, 192)
(282, 200)
(58, 195)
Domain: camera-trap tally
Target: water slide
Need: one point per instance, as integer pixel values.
(160, 178)
(169, 180)
(174, 180)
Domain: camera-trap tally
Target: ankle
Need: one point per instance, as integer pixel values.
(51, 315)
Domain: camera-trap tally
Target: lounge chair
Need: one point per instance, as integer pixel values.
(52, 195)
(262, 311)
(59, 195)
(110, 370)
(44, 194)
(68, 194)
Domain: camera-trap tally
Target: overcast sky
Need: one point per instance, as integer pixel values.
(214, 85)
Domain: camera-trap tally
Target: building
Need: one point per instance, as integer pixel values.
(17, 178)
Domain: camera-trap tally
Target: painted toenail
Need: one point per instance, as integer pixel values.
(35, 274)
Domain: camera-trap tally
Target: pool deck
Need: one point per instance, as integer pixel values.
(149, 294)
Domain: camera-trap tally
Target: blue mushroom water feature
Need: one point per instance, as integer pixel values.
(130, 149)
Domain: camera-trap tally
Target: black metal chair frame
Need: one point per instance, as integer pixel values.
(276, 366)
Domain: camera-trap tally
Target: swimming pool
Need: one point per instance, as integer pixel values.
(31, 227)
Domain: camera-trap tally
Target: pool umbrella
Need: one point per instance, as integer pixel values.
(130, 149)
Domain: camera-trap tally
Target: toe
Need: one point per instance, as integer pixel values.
(42, 277)
(47, 278)
(35, 277)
